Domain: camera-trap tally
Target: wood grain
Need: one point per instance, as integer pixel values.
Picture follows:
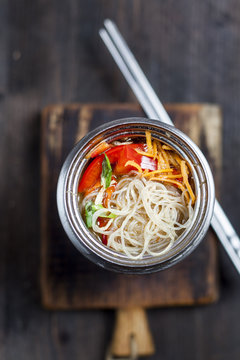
(51, 53)
(68, 280)
(131, 329)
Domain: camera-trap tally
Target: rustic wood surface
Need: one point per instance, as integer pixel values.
(68, 280)
(50, 52)
(131, 329)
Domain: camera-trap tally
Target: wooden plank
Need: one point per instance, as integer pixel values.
(68, 280)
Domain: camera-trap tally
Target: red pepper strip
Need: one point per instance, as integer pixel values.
(128, 153)
(118, 155)
(99, 149)
(102, 222)
(94, 187)
(91, 174)
(104, 239)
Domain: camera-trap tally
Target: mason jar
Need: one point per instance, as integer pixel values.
(87, 243)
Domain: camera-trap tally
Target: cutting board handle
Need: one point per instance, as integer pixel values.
(131, 333)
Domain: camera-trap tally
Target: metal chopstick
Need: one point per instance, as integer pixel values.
(155, 110)
(136, 71)
(146, 105)
(226, 234)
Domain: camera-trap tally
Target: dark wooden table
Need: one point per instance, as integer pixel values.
(50, 52)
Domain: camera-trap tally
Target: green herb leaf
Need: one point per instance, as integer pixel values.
(89, 213)
(91, 208)
(106, 175)
(96, 207)
(110, 216)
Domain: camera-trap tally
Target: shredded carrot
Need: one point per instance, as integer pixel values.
(185, 180)
(166, 147)
(180, 185)
(144, 153)
(134, 164)
(94, 187)
(172, 176)
(161, 161)
(149, 141)
(158, 172)
(165, 157)
(168, 157)
(175, 182)
(178, 159)
(154, 150)
(103, 146)
(145, 172)
(172, 160)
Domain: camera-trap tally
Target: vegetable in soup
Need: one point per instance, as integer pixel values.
(137, 197)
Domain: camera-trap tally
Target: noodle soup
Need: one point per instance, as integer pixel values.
(137, 196)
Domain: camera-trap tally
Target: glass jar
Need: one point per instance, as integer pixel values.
(68, 202)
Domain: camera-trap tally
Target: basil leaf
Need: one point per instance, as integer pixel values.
(106, 175)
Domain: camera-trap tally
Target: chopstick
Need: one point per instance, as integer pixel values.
(135, 71)
(226, 234)
(155, 110)
(146, 105)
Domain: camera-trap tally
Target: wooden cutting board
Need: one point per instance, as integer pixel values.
(68, 280)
